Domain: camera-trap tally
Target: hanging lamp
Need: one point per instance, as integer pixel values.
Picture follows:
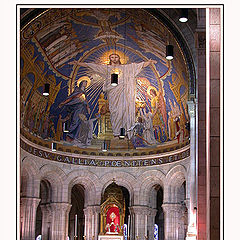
(104, 146)
(65, 127)
(169, 52)
(122, 133)
(54, 146)
(46, 89)
(114, 79)
(184, 15)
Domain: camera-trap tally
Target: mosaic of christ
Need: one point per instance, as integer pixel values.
(77, 51)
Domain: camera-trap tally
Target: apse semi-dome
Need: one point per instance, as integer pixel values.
(75, 51)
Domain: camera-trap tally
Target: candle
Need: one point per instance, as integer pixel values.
(75, 225)
(85, 226)
(128, 230)
(93, 225)
(145, 225)
(137, 223)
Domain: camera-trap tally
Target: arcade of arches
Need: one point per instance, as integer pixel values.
(79, 179)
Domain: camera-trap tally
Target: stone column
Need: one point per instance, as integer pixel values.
(28, 217)
(60, 217)
(192, 179)
(171, 219)
(151, 222)
(142, 218)
(200, 37)
(132, 223)
(46, 221)
(96, 221)
(91, 214)
(215, 94)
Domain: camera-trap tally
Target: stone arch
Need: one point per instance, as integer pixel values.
(55, 176)
(122, 179)
(30, 178)
(145, 183)
(88, 180)
(176, 175)
(174, 179)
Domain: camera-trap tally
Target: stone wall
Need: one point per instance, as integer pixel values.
(139, 181)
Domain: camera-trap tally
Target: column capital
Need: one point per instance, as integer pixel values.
(92, 209)
(139, 210)
(171, 207)
(29, 201)
(61, 206)
(152, 212)
(46, 207)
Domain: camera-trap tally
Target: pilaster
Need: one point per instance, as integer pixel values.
(143, 219)
(91, 230)
(46, 220)
(28, 217)
(191, 198)
(60, 217)
(171, 220)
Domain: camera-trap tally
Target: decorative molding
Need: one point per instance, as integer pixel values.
(98, 161)
(135, 153)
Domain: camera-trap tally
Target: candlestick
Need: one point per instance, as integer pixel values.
(137, 223)
(75, 225)
(145, 225)
(93, 225)
(85, 226)
(128, 230)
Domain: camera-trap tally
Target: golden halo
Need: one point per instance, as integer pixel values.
(150, 88)
(105, 57)
(84, 78)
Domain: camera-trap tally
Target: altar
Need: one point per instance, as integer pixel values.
(112, 214)
(110, 237)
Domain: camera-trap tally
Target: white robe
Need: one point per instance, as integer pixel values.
(122, 97)
(148, 133)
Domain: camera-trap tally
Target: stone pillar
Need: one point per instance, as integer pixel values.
(91, 214)
(192, 180)
(60, 217)
(46, 221)
(215, 92)
(96, 221)
(171, 220)
(28, 217)
(132, 223)
(142, 218)
(151, 221)
(201, 122)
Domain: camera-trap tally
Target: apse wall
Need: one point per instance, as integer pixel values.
(69, 49)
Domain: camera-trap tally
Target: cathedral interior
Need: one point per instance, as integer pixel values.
(119, 123)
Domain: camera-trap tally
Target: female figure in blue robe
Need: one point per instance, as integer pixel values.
(76, 104)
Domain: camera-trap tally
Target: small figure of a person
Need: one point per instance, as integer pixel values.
(107, 228)
(116, 228)
(148, 132)
(77, 105)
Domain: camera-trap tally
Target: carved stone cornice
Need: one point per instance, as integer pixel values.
(102, 161)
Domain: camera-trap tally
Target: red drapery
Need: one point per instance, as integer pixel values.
(116, 220)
